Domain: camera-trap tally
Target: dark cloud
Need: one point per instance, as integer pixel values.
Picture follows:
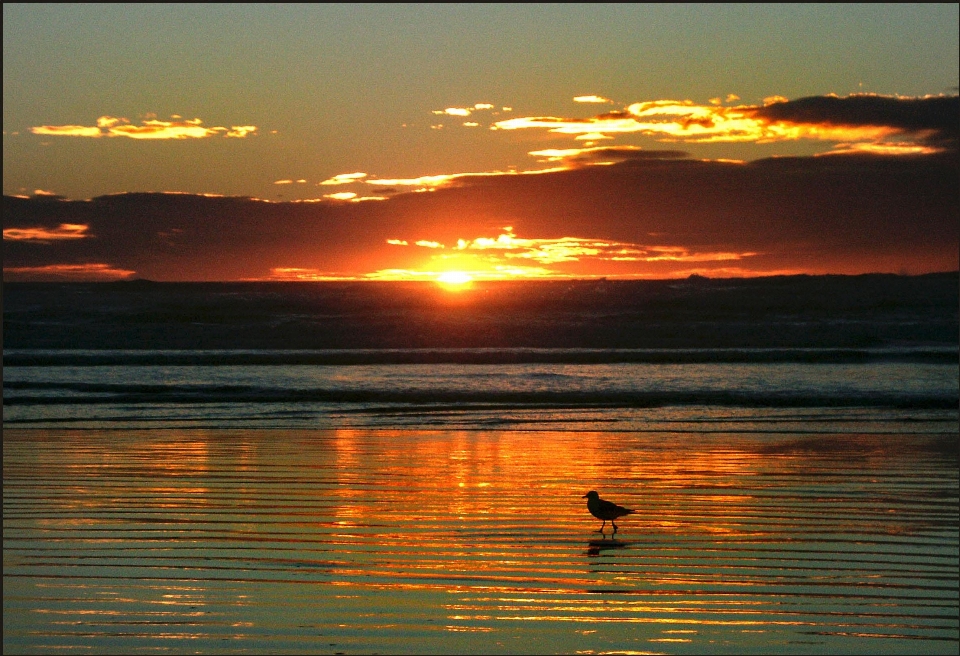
(937, 115)
(625, 154)
(841, 214)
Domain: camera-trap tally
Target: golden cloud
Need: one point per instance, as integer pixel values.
(342, 195)
(483, 253)
(860, 118)
(433, 182)
(591, 99)
(425, 181)
(351, 197)
(344, 178)
(884, 148)
(485, 273)
(92, 271)
(294, 274)
(597, 155)
(463, 111)
(44, 235)
(150, 128)
(67, 131)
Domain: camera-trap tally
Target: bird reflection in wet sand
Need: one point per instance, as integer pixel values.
(605, 510)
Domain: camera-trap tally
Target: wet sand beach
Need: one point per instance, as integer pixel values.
(420, 541)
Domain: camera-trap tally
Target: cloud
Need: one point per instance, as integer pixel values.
(67, 131)
(731, 97)
(441, 180)
(67, 272)
(238, 131)
(464, 111)
(150, 128)
(46, 235)
(883, 148)
(591, 99)
(643, 214)
(603, 154)
(496, 252)
(298, 274)
(934, 120)
(930, 120)
(341, 195)
(423, 182)
(352, 197)
(344, 178)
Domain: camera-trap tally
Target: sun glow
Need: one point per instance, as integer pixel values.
(454, 280)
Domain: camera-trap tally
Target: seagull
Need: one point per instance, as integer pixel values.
(605, 510)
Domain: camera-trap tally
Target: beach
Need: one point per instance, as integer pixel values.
(346, 328)
(794, 473)
(412, 541)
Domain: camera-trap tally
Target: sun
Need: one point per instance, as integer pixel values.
(454, 279)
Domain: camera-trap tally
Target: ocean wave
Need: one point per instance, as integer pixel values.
(138, 394)
(81, 358)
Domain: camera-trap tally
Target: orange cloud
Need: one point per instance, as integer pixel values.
(884, 148)
(665, 119)
(45, 235)
(351, 197)
(67, 131)
(465, 272)
(341, 195)
(591, 99)
(603, 154)
(344, 178)
(294, 274)
(151, 128)
(463, 111)
(238, 131)
(485, 254)
(432, 182)
(858, 118)
(79, 272)
(424, 181)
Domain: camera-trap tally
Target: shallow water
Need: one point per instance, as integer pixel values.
(881, 396)
(442, 541)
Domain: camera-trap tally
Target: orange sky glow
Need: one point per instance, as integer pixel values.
(577, 172)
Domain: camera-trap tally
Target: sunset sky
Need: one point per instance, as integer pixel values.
(322, 142)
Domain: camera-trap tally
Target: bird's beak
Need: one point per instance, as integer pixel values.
(584, 496)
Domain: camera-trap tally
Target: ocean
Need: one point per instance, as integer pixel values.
(364, 468)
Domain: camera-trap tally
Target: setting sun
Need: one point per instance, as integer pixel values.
(454, 279)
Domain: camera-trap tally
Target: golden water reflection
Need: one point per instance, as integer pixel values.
(413, 541)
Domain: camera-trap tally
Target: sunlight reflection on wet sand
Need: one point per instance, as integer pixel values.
(467, 541)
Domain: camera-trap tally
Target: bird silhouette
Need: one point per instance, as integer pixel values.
(605, 510)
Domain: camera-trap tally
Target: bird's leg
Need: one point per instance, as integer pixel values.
(614, 528)
(602, 526)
